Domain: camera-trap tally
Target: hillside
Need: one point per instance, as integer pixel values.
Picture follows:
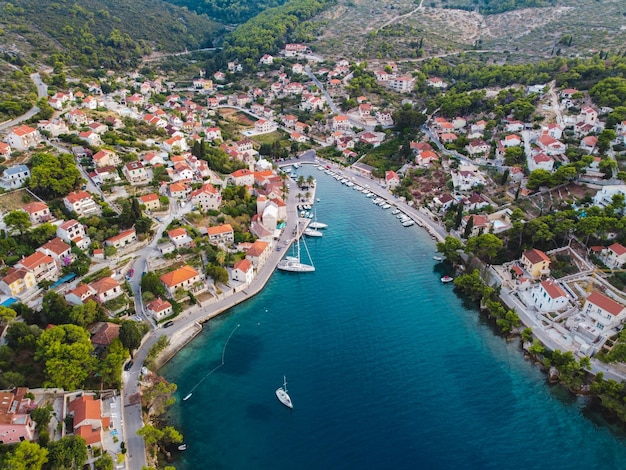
(101, 33)
(401, 29)
(228, 11)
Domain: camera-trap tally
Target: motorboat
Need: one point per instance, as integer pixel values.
(182, 447)
(408, 223)
(396, 211)
(446, 279)
(437, 258)
(283, 396)
(386, 206)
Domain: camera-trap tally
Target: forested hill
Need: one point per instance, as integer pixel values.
(102, 33)
(229, 11)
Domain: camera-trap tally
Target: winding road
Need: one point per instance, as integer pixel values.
(42, 92)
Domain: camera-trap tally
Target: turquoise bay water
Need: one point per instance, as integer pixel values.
(386, 367)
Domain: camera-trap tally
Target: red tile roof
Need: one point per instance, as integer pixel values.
(536, 256)
(606, 304)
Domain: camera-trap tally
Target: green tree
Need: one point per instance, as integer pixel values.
(66, 351)
(70, 452)
(450, 249)
(105, 462)
(150, 282)
(17, 221)
(110, 368)
(130, 335)
(27, 456)
(539, 178)
(485, 246)
(53, 176)
(42, 415)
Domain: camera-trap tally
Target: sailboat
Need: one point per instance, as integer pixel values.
(293, 263)
(282, 395)
(317, 225)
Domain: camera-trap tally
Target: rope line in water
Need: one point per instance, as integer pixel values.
(218, 366)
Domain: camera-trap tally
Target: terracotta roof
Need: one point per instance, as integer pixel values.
(177, 232)
(618, 249)
(77, 196)
(606, 304)
(125, 234)
(14, 274)
(68, 224)
(158, 305)
(218, 229)
(82, 291)
(104, 285)
(36, 206)
(257, 248)
(149, 197)
(178, 276)
(553, 289)
(87, 408)
(57, 246)
(36, 259)
(22, 130)
(105, 334)
(536, 256)
(243, 265)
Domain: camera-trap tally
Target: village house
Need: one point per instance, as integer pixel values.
(38, 212)
(243, 177)
(76, 117)
(80, 294)
(106, 289)
(104, 158)
(185, 278)
(266, 60)
(614, 256)
(91, 138)
(293, 50)
(258, 253)
(263, 126)
(467, 178)
(402, 84)
(550, 146)
(88, 420)
(179, 191)
(436, 82)
(180, 238)
(443, 202)
(206, 198)
(55, 127)
(159, 309)
(42, 266)
(243, 271)
(14, 177)
(221, 234)
(82, 203)
(536, 263)
(5, 150)
(605, 312)
(103, 334)
(175, 144)
(135, 172)
(23, 137)
(17, 281)
(340, 123)
(73, 231)
(392, 180)
(15, 422)
(150, 201)
(478, 147)
(541, 161)
(480, 224)
(58, 250)
(549, 296)
(122, 239)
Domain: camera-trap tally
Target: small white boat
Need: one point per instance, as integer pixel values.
(310, 232)
(395, 211)
(446, 279)
(282, 395)
(386, 206)
(318, 199)
(437, 258)
(182, 447)
(408, 223)
(318, 225)
(187, 397)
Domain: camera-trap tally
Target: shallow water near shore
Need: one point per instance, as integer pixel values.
(386, 367)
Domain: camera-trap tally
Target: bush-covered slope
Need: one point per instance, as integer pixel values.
(107, 33)
(229, 11)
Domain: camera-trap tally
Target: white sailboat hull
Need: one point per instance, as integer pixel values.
(317, 225)
(284, 398)
(295, 266)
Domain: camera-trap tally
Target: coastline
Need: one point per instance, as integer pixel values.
(190, 325)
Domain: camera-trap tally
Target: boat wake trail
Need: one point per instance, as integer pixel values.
(188, 396)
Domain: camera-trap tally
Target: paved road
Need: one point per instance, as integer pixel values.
(42, 91)
(136, 456)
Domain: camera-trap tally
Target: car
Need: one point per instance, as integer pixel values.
(128, 365)
(167, 324)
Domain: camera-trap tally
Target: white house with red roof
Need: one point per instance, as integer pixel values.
(106, 289)
(243, 272)
(175, 144)
(402, 84)
(478, 147)
(258, 253)
(588, 143)
(179, 191)
(264, 126)
(58, 250)
(105, 157)
(340, 123)
(186, 278)
(480, 224)
(23, 137)
(5, 150)
(207, 197)
(55, 127)
(74, 231)
(243, 177)
(549, 296)
(614, 256)
(159, 309)
(41, 265)
(89, 421)
(221, 234)
(80, 294)
(392, 180)
(553, 130)
(82, 203)
(541, 161)
(135, 172)
(151, 201)
(436, 82)
(38, 212)
(550, 145)
(76, 117)
(122, 239)
(513, 125)
(91, 138)
(605, 312)
(293, 50)
(512, 140)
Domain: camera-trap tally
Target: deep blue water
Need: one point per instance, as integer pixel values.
(387, 368)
